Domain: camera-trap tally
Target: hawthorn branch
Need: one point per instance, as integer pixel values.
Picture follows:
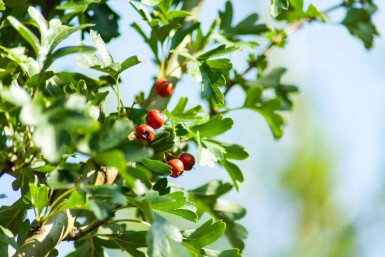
(278, 40)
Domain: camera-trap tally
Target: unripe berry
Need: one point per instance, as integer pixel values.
(176, 167)
(188, 160)
(145, 132)
(155, 119)
(164, 87)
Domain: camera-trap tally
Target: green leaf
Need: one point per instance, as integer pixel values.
(90, 247)
(174, 14)
(358, 22)
(159, 235)
(104, 54)
(218, 51)
(234, 171)
(213, 72)
(157, 166)
(162, 142)
(213, 189)
(25, 33)
(224, 253)
(151, 2)
(75, 201)
(2, 5)
(113, 134)
(65, 51)
(226, 17)
(105, 20)
(129, 241)
(233, 151)
(277, 6)
(7, 238)
(112, 158)
(214, 127)
(39, 197)
(206, 234)
(248, 27)
(12, 217)
(136, 151)
(128, 63)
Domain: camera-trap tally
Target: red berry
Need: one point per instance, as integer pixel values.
(145, 132)
(164, 87)
(176, 167)
(155, 119)
(188, 160)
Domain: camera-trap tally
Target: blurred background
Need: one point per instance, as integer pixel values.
(320, 190)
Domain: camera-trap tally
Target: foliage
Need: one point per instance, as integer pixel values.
(50, 119)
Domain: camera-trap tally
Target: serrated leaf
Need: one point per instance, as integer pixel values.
(157, 166)
(358, 22)
(214, 127)
(2, 5)
(206, 234)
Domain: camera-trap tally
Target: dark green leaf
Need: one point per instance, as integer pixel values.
(234, 171)
(105, 20)
(206, 234)
(359, 23)
(157, 166)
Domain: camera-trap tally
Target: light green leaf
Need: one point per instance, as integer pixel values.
(151, 2)
(224, 253)
(2, 5)
(159, 235)
(218, 51)
(39, 197)
(277, 6)
(104, 53)
(25, 33)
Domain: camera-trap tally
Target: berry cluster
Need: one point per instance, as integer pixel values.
(155, 120)
(185, 162)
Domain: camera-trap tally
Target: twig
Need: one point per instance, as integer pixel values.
(276, 41)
